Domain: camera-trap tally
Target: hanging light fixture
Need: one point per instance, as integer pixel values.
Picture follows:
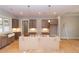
(49, 13)
(29, 11)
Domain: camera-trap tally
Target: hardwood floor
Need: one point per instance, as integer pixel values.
(13, 47)
(69, 46)
(66, 46)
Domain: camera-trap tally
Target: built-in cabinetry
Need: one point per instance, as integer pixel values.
(45, 24)
(39, 43)
(54, 21)
(41, 26)
(15, 26)
(53, 27)
(32, 27)
(3, 41)
(45, 27)
(15, 23)
(32, 23)
(6, 39)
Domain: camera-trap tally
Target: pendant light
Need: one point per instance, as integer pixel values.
(29, 11)
(49, 6)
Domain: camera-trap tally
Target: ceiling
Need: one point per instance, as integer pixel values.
(39, 10)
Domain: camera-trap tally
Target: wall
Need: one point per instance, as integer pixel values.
(4, 14)
(69, 25)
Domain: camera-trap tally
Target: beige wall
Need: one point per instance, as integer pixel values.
(69, 27)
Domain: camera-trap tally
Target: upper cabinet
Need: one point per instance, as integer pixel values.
(32, 23)
(45, 24)
(15, 23)
(54, 21)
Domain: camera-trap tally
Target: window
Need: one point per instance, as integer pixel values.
(1, 24)
(4, 25)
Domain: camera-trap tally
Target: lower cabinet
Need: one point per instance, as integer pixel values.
(11, 39)
(4, 41)
(0, 43)
(32, 43)
(49, 43)
(26, 43)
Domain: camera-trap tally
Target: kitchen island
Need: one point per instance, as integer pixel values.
(38, 43)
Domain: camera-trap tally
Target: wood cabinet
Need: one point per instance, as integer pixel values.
(5, 40)
(15, 23)
(53, 27)
(17, 34)
(54, 21)
(10, 40)
(0, 43)
(45, 24)
(32, 23)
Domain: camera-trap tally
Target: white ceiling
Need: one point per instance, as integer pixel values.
(39, 10)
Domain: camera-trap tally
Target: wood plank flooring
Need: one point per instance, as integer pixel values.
(13, 47)
(71, 46)
(66, 46)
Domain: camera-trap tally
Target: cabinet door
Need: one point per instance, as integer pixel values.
(45, 42)
(4, 41)
(49, 43)
(54, 43)
(32, 23)
(8, 40)
(22, 43)
(44, 23)
(15, 23)
(0, 43)
(54, 21)
(33, 43)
